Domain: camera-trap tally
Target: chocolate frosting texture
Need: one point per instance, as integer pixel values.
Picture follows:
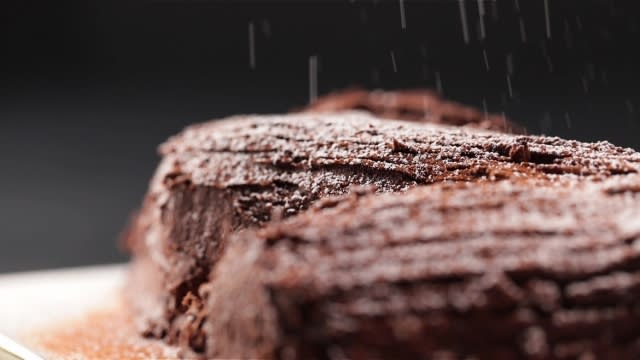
(491, 270)
(218, 178)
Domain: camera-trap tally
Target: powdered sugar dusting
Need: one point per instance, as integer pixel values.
(225, 153)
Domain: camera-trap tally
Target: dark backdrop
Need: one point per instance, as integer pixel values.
(88, 89)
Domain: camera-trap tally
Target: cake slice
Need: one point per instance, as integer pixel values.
(224, 176)
(506, 270)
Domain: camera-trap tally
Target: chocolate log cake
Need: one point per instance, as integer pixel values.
(414, 105)
(223, 176)
(502, 270)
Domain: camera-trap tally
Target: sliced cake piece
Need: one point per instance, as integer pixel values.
(504, 270)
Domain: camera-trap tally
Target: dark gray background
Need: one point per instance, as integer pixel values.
(88, 90)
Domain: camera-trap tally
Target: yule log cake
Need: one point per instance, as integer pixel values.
(493, 270)
(243, 172)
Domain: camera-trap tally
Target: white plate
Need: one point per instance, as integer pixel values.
(74, 314)
(41, 298)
